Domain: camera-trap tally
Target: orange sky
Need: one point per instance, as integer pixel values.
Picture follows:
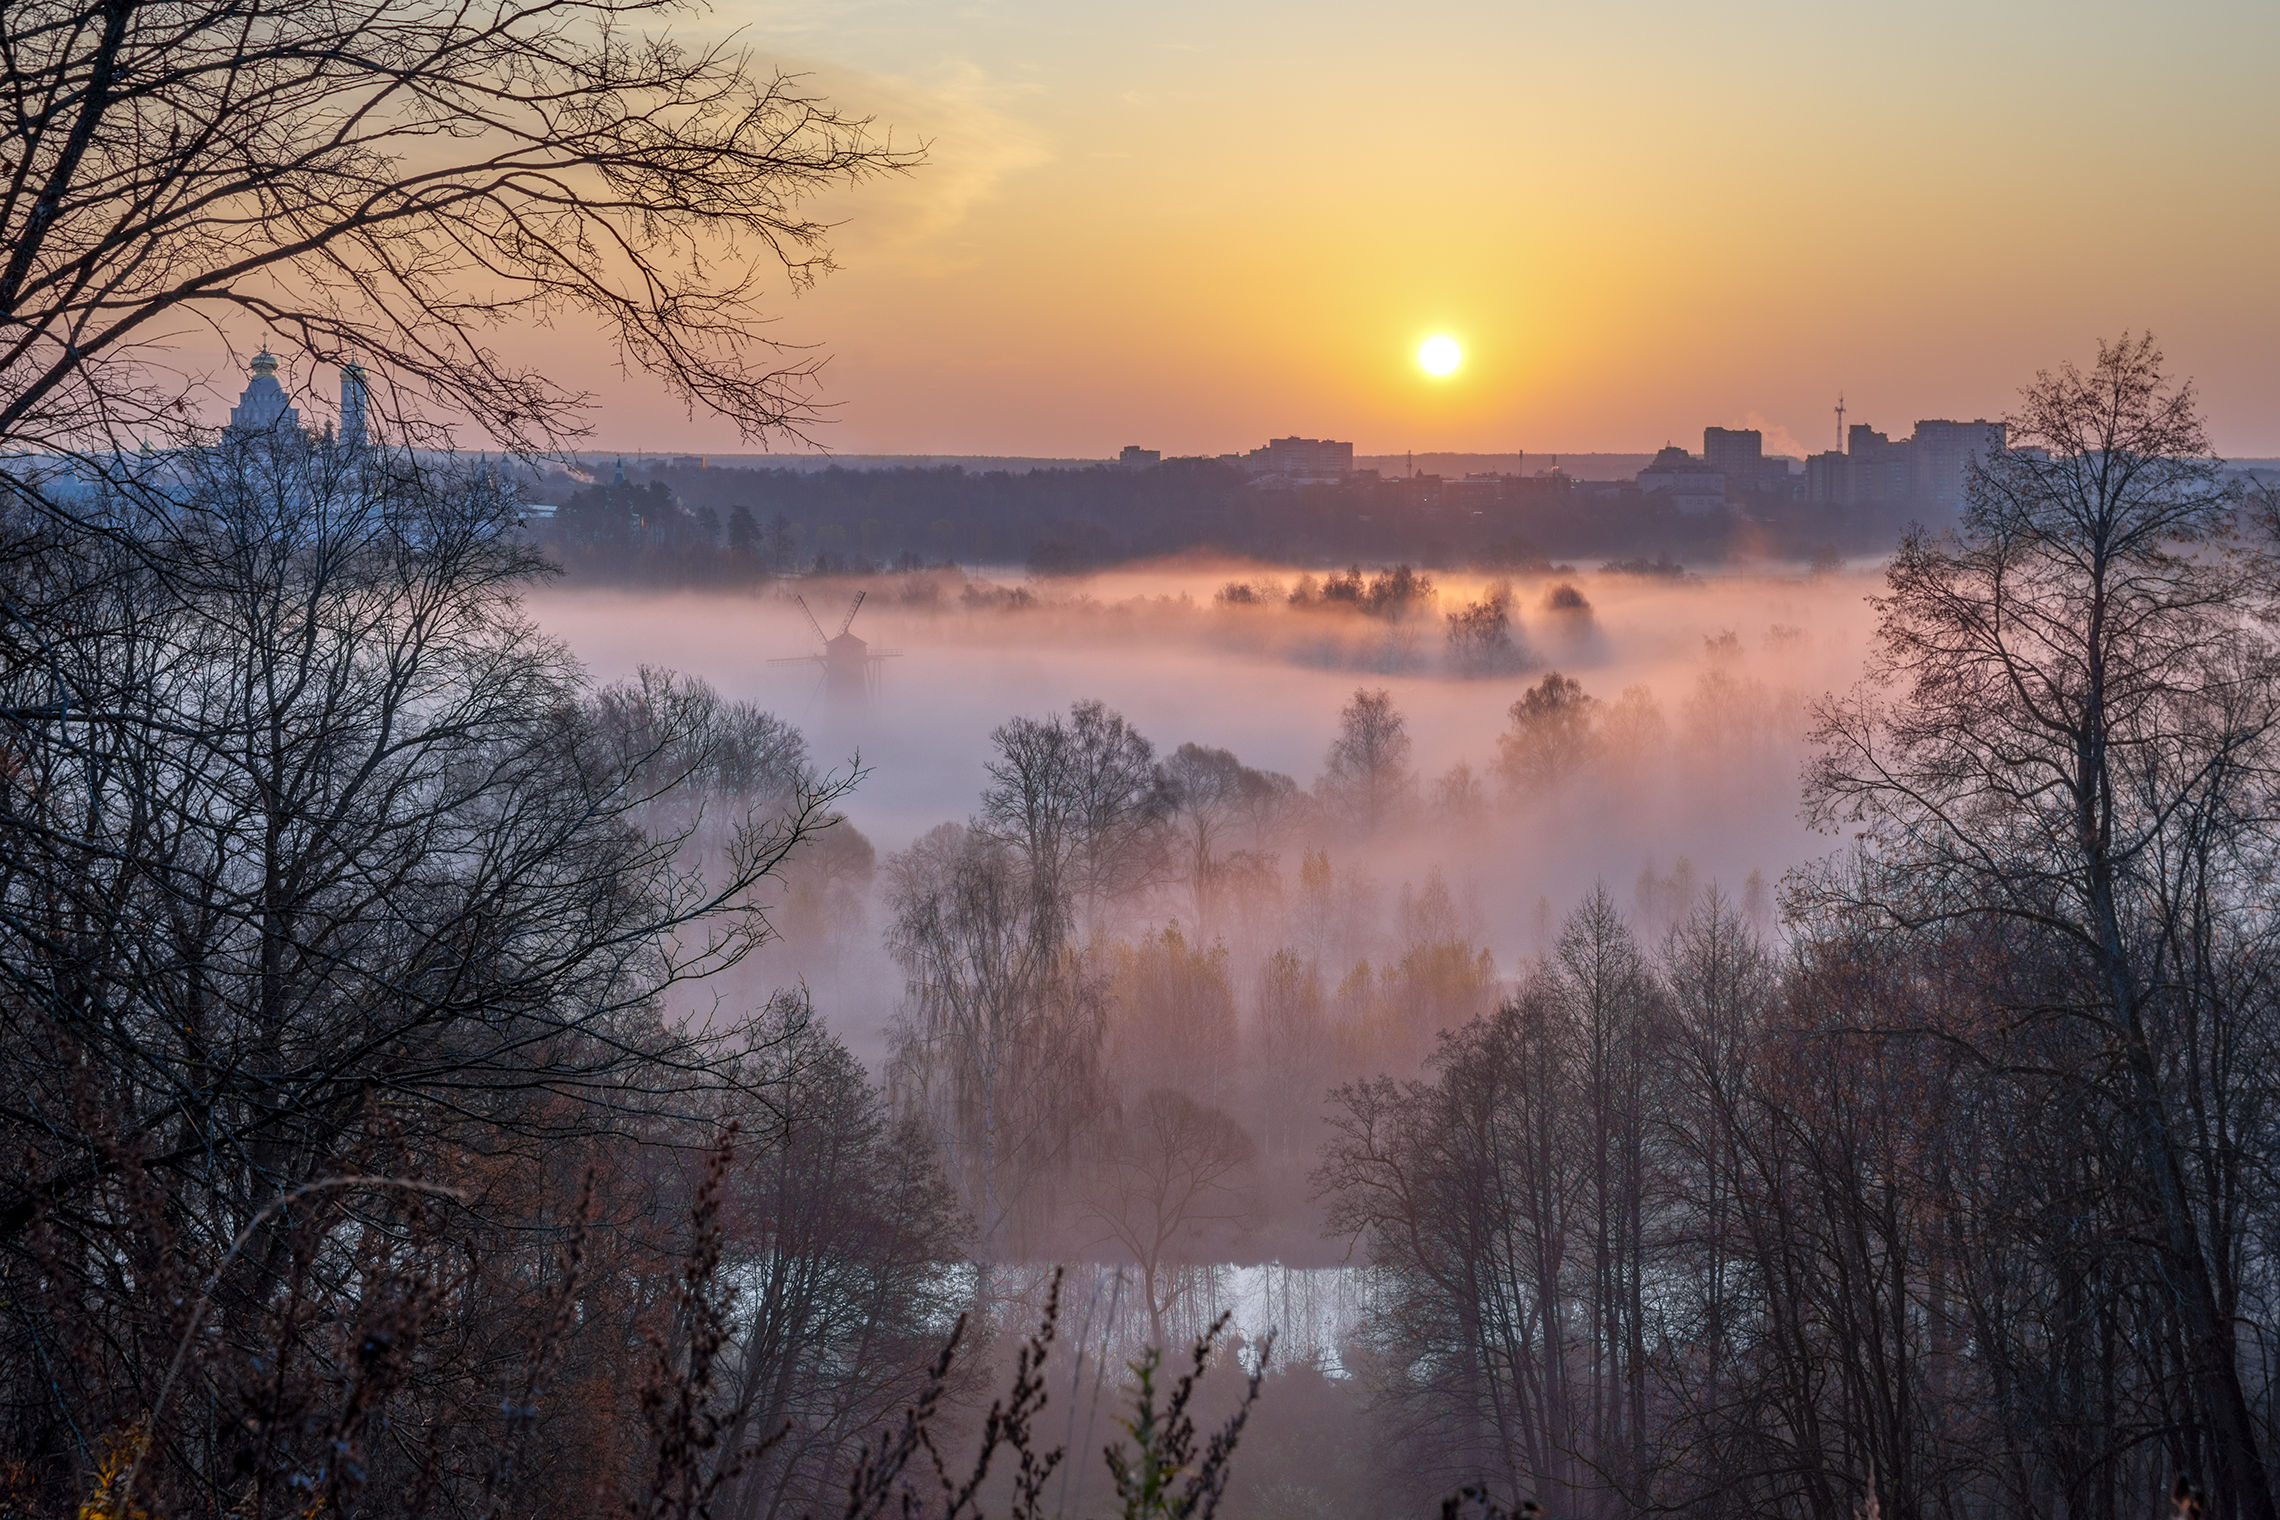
(1192, 225)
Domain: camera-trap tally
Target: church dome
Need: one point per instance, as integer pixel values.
(264, 404)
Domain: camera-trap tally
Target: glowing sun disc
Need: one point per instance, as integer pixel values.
(1440, 356)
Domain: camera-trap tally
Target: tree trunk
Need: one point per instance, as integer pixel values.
(2239, 1485)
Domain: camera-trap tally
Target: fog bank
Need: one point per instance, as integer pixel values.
(1727, 666)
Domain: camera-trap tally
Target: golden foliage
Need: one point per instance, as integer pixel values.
(120, 1452)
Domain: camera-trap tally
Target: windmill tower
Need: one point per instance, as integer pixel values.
(850, 665)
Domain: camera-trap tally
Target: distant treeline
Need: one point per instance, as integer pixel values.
(678, 524)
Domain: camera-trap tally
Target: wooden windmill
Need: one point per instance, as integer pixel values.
(850, 665)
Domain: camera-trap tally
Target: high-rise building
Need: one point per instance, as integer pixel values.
(1828, 479)
(1736, 453)
(1930, 468)
(1942, 454)
(1302, 459)
(1879, 467)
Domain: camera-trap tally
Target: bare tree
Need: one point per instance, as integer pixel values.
(1000, 1045)
(1082, 800)
(1366, 778)
(1173, 1022)
(1550, 737)
(747, 752)
(1721, 987)
(1172, 1169)
(1224, 814)
(1703, 1234)
(1480, 635)
(1464, 1189)
(1002, 1042)
(320, 862)
(1293, 1055)
(1616, 1011)
(384, 184)
(317, 775)
(2078, 738)
(837, 1228)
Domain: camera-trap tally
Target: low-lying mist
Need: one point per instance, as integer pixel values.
(1703, 686)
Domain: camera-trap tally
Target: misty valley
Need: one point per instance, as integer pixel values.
(1488, 991)
(1136, 992)
(1332, 1042)
(833, 762)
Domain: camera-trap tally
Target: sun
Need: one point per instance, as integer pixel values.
(1440, 355)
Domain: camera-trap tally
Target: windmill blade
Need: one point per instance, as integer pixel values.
(812, 623)
(848, 621)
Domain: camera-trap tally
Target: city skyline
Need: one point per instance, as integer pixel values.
(1632, 221)
(1776, 441)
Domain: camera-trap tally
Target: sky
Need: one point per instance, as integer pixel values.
(1194, 224)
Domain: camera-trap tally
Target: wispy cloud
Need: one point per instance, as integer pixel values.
(973, 142)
